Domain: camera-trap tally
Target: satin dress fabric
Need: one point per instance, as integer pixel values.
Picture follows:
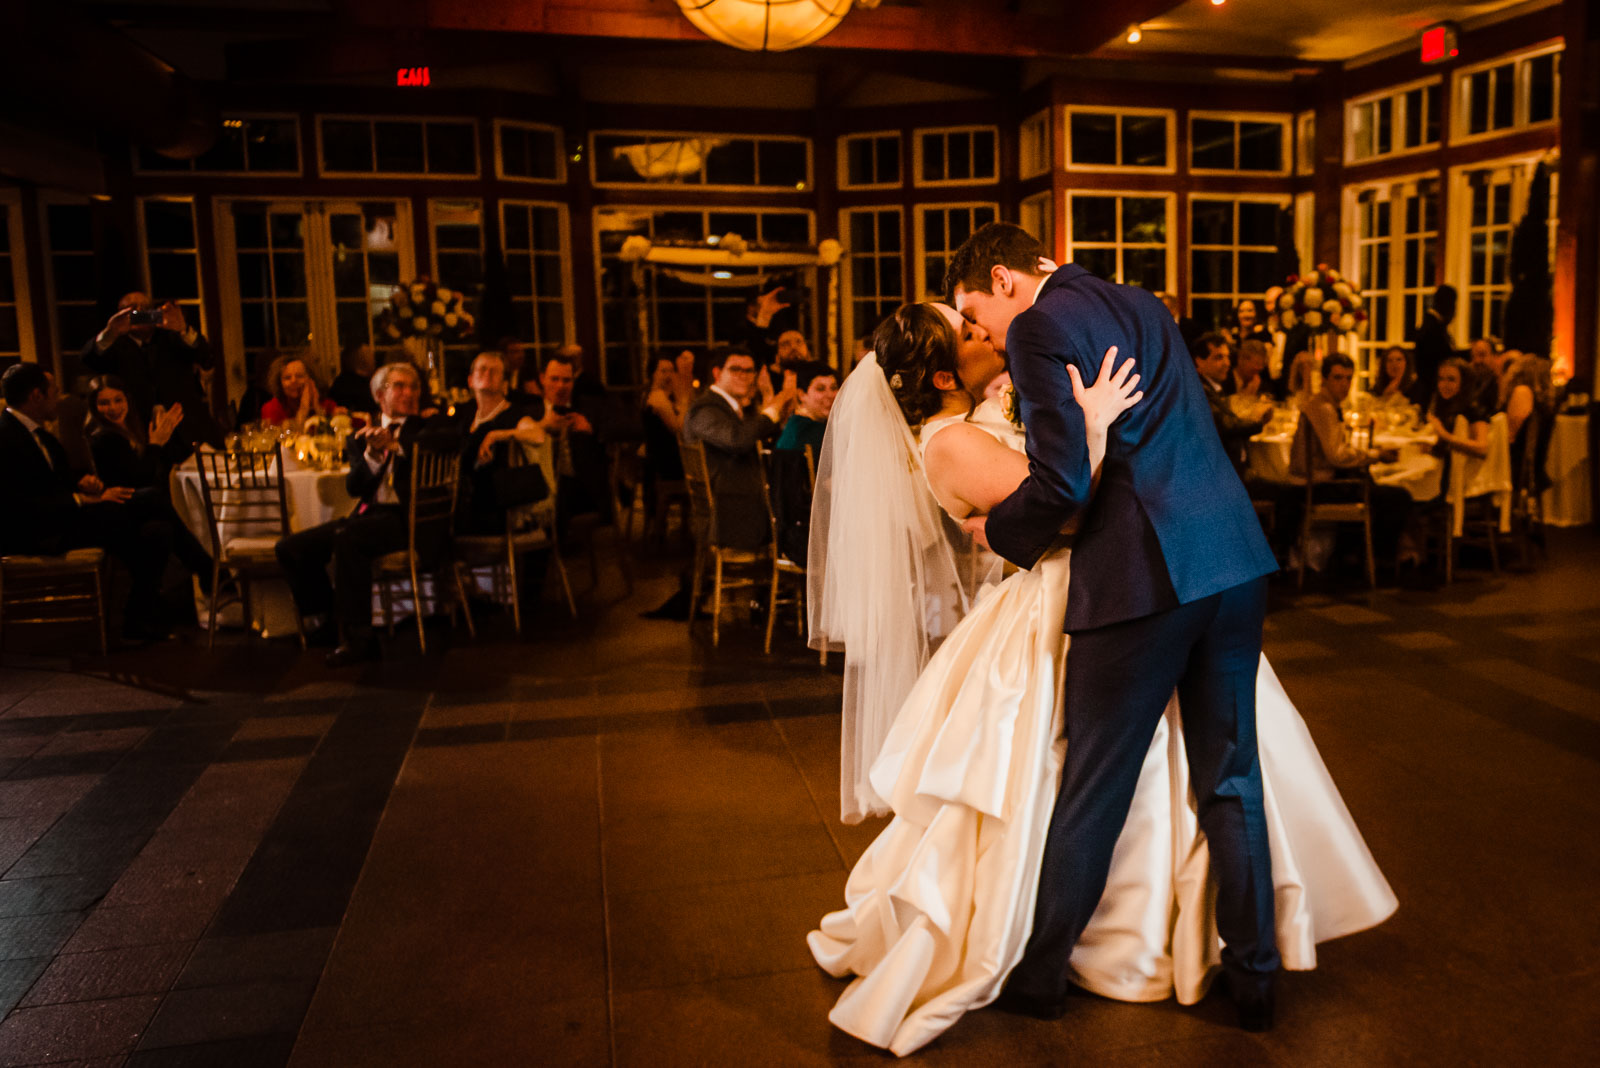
(940, 906)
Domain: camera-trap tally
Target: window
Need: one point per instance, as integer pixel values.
(172, 255)
(877, 266)
(529, 152)
(1397, 246)
(685, 308)
(1487, 204)
(941, 228)
(960, 155)
(257, 144)
(869, 161)
(16, 322)
(535, 238)
(437, 148)
(710, 161)
(1305, 142)
(1038, 217)
(1508, 94)
(73, 280)
(1400, 121)
(1233, 254)
(457, 227)
(1227, 143)
(1033, 146)
(1121, 237)
(1120, 139)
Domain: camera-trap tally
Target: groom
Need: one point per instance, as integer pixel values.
(1168, 592)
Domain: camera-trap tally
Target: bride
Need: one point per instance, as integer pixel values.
(964, 748)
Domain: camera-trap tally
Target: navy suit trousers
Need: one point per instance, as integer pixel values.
(1119, 679)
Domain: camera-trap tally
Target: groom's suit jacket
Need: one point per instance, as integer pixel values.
(1170, 522)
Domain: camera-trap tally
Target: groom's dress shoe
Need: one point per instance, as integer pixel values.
(1019, 1004)
(1256, 1007)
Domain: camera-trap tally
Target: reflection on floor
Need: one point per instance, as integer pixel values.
(604, 844)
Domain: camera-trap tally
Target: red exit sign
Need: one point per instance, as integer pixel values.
(1439, 43)
(417, 76)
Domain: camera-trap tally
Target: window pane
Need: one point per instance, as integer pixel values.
(1361, 130)
(1144, 140)
(289, 271)
(933, 169)
(983, 153)
(1211, 144)
(1542, 88)
(1146, 267)
(168, 224)
(272, 144)
(71, 227)
(1504, 97)
(958, 153)
(452, 148)
(787, 228)
(1414, 111)
(173, 276)
(1430, 133)
(889, 231)
(732, 164)
(399, 147)
(346, 145)
(285, 230)
(1258, 223)
(1211, 313)
(982, 217)
(858, 155)
(1213, 272)
(862, 234)
(546, 229)
(1258, 271)
(1094, 139)
(611, 163)
(74, 278)
(1261, 144)
(1101, 262)
(1144, 220)
(1213, 222)
(1478, 97)
(10, 335)
(1094, 219)
(226, 154)
(887, 150)
(1383, 134)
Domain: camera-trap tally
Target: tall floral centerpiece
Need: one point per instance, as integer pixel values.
(1315, 310)
(424, 316)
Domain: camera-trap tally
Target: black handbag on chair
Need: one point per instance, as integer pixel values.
(516, 486)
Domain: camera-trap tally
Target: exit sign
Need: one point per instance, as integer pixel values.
(1439, 43)
(411, 76)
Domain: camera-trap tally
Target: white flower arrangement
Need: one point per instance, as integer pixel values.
(423, 309)
(1321, 299)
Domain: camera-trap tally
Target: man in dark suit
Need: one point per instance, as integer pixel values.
(576, 424)
(158, 361)
(732, 438)
(49, 509)
(1168, 592)
(1209, 352)
(380, 480)
(1434, 343)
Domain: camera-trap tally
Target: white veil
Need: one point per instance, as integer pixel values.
(883, 579)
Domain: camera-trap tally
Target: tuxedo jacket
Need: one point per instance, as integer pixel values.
(1233, 429)
(733, 460)
(363, 483)
(1434, 346)
(39, 507)
(1170, 522)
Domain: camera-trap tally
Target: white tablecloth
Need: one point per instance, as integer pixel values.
(1269, 455)
(1567, 503)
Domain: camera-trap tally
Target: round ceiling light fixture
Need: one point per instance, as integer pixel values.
(1135, 35)
(767, 25)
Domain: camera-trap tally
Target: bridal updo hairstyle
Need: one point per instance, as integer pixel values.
(913, 345)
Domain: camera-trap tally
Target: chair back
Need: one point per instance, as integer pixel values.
(244, 494)
(1472, 477)
(435, 481)
(1307, 456)
(702, 500)
(811, 467)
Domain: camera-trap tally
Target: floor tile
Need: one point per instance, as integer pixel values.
(80, 1030)
(218, 1013)
(111, 973)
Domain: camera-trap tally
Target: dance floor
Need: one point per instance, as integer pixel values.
(605, 843)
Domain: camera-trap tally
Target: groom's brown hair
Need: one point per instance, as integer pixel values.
(995, 244)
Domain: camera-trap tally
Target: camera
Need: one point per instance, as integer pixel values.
(793, 295)
(150, 316)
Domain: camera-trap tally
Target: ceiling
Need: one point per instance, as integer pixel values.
(1316, 30)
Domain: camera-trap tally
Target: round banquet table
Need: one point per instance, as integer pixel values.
(314, 497)
(1567, 503)
(1416, 471)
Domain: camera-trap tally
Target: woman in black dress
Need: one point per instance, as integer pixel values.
(128, 454)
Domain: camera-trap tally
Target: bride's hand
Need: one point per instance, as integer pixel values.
(1110, 396)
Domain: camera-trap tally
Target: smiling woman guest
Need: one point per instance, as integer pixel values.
(296, 397)
(818, 385)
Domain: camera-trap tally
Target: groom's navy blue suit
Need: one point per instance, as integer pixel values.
(1168, 592)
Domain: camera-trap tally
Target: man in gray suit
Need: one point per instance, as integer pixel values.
(732, 436)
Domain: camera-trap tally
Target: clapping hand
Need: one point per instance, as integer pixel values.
(1111, 394)
(379, 441)
(90, 486)
(165, 423)
(764, 386)
(117, 494)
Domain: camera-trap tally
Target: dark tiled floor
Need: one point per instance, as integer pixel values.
(603, 844)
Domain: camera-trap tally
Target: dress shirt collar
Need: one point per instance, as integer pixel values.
(738, 409)
(391, 420)
(1039, 289)
(27, 424)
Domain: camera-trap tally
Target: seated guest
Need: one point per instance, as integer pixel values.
(256, 395)
(793, 352)
(522, 381)
(1487, 363)
(1451, 400)
(127, 455)
(379, 479)
(296, 397)
(1391, 505)
(1528, 397)
(732, 438)
(1249, 377)
(664, 409)
(352, 389)
(1395, 385)
(587, 395)
(488, 423)
(581, 456)
(1247, 324)
(50, 509)
(158, 355)
(1210, 354)
(818, 386)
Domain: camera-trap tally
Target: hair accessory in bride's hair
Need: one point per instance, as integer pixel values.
(895, 381)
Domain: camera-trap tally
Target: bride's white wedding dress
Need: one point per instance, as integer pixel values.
(940, 906)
